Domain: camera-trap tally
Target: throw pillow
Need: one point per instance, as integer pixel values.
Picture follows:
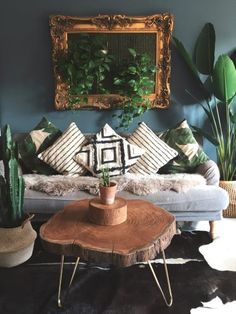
(190, 155)
(42, 136)
(157, 153)
(108, 150)
(60, 155)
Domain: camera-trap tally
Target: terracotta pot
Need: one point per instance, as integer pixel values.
(230, 187)
(108, 193)
(16, 244)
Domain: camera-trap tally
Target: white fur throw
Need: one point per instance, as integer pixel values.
(138, 184)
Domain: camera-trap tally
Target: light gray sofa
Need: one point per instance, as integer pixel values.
(196, 204)
(200, 203)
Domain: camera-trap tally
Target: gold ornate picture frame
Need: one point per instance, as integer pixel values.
(159, 25)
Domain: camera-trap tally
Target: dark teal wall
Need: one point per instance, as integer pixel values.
(26, 78)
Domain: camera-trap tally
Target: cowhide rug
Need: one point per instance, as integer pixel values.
(137, 184)
(31, 288)
(215, 306)
(221, 253)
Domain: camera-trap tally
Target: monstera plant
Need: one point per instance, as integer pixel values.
(218, 83)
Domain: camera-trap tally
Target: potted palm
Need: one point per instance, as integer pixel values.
(107, 188)
(219, 105)
(16, 233)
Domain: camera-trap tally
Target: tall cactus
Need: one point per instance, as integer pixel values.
(12, 186)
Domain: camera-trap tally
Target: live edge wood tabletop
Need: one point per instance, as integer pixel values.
(147, 231)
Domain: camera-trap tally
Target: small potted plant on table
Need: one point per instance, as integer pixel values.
(107, 210)
(16, 233)
(107, 188)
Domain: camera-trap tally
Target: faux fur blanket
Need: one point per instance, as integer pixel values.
(138, 184)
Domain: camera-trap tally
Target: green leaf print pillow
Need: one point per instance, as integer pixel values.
(190, 153)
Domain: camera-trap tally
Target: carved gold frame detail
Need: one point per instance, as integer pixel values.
(160, 24)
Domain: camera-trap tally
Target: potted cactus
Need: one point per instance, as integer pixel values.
(107, 188)
(16, 233)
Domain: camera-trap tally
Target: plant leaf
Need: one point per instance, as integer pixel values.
(233, 118)
(186, 56)
(208, 136)
(132, 52)
(224, 78)
(204, 53)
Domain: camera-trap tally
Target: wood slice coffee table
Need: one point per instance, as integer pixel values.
(147, 231)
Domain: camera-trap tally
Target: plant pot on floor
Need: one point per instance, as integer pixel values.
(16, 244)
(230, 187)
(108, 193)
(16, 233)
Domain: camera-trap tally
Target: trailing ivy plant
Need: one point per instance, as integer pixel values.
(135, 81)
(84, 66)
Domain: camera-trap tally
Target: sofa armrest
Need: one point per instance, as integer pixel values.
(210, 171)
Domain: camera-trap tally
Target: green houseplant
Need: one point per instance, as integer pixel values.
(135, 82)
(107, 188)
(220, 81)
(85, 66)
(16, 233)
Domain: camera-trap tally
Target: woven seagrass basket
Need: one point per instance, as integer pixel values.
(230, 187)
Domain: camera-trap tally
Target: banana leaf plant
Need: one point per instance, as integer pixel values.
(220, 108)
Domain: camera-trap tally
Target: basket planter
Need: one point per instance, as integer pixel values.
(16, 244)
(230, 187)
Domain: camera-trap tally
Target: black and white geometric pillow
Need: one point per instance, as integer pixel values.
(157, 152)
(60, 155)
(108, 150)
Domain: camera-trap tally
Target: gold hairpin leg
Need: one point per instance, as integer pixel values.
(74, 271)
(60, 278)
(167, 278)
(60, 281)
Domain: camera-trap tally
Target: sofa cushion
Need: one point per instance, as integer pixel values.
(204, 203)
(60, 155)
(157, 153)
(42, 136)
(190, 154)
(108, 150)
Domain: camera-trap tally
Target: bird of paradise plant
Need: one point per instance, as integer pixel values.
(219, 104)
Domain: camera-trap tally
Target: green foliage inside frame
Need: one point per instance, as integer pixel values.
(85, 66)
(135, 82)
(89, 68)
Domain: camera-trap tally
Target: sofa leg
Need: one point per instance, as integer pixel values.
(213, 232)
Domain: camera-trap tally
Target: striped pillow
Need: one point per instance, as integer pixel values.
(60, 155)
(157, 153)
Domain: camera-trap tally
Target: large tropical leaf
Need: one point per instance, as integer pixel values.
(205, 134)
(233, 118)
(232, 105)
(188, 60)
(186, 56)
(224, 79)
(204, 53)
